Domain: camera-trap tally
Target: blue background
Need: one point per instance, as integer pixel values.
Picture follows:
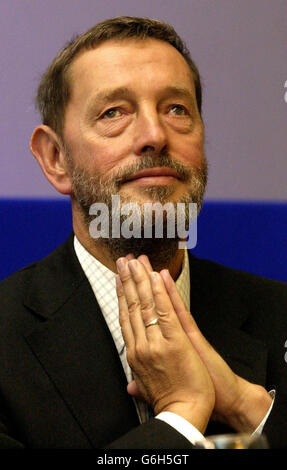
(246, 236)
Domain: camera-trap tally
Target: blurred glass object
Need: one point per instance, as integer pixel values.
(235, 441)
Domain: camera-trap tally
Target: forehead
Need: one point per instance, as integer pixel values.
(130, 63)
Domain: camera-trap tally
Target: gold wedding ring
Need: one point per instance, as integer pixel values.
(153, 322)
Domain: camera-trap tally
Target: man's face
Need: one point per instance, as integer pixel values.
(133, 106)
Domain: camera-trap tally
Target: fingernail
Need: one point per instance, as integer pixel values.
(121, 262)
(134, 265)
(165, 273)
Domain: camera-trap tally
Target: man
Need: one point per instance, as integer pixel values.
(121, 116)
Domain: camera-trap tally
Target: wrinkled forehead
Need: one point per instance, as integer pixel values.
(113, 62)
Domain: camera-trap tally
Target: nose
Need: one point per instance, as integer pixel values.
(150, 133)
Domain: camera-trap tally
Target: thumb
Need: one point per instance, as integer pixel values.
(133, 390)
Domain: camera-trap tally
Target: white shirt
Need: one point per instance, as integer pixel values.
(103, 283)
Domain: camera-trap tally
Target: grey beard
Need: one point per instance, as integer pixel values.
(90, 189)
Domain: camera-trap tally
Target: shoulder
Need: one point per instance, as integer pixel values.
(15, 286)
(225, 277)
(21, 279)
(235, 295)
(42, 280)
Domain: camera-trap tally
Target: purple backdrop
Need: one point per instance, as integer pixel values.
(239, 46)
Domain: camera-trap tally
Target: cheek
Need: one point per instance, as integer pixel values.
(190, 152)
(97, 154)
(107, 160)
(111, 154)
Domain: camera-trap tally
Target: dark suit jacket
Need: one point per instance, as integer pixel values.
(61, 380)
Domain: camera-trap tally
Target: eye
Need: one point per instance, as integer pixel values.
(178, 110)
(111, 113)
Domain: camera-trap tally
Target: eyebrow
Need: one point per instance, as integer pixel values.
(178, 91)
(108, 95)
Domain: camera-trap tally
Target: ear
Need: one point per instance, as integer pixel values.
(47, 148)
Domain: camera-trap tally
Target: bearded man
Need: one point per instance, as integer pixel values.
(109, 342)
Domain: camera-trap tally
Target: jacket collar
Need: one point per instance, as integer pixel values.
(54, 280)
(218, 306)
(74, 347)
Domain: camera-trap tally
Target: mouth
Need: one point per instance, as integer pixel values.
(155, 176)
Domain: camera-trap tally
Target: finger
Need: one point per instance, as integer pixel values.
(124, 319)
(132, 299)
(130, 256)
(146, 299)
(133, 390)
(145, 261)
(169, 322)
(186, 319)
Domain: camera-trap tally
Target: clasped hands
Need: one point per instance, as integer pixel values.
(174, 367)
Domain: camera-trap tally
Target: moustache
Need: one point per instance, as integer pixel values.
(147, 162)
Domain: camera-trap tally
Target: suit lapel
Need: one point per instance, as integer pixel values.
(220, 312)
(76, 350)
